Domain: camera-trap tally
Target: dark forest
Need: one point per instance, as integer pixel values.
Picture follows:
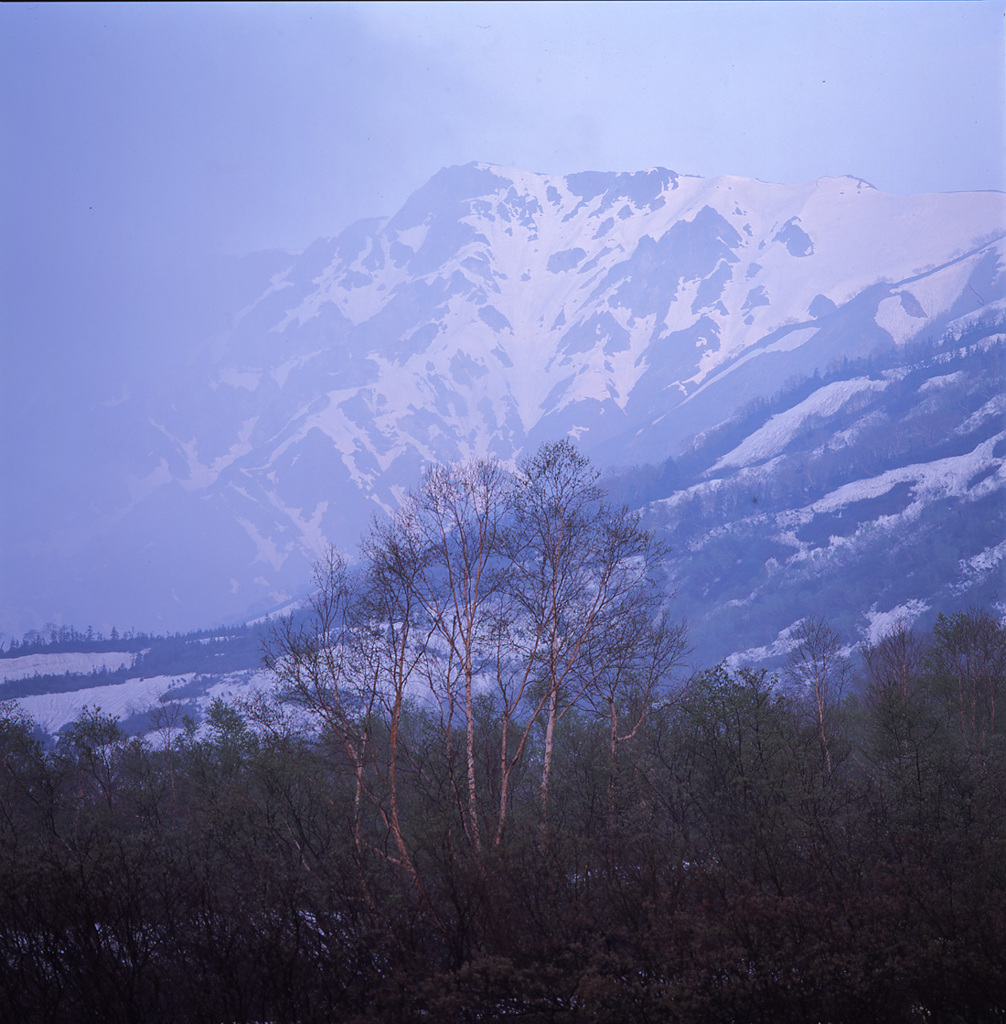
(482, 790)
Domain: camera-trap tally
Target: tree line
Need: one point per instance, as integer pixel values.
(480, 792)
(53, 639)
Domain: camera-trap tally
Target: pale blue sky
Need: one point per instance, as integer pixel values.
(136, 140)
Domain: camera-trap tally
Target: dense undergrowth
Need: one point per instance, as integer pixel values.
(747, 854)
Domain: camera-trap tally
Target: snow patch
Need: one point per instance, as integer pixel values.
(943, 381)
(414, 237)
(978, 567)
(52, 711)
(247, 380)
(941, 478)
(881, 624)
(265, 547)
(993, 408)
(779, 648)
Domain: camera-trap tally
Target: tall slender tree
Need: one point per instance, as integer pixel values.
(583, 571)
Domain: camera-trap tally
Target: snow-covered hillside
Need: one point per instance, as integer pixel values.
(137, 697)
(158, 681)
(497, 309)
(872, 495)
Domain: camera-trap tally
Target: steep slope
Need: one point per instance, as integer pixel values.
(873, 495)
(496, 309)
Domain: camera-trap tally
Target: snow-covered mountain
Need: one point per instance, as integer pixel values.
(495, 310)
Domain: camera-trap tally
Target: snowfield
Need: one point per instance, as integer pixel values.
(63, 663)
(780, 430)
(53, 711)
(881, 624)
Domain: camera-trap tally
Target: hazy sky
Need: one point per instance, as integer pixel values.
(137, 139)
(257, 125)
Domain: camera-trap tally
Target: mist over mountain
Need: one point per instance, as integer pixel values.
(801, 384)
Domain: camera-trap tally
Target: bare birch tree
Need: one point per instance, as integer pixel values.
(522, 589)
(350, 663)
(894, 663)
(817, 670)
(455, 522)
